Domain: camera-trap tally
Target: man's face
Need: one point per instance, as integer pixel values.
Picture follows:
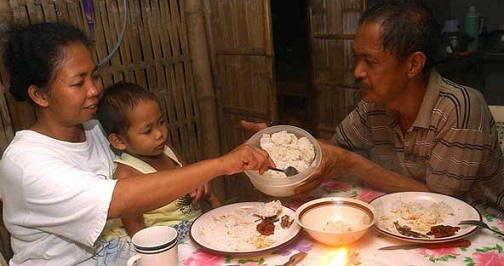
(381, 77)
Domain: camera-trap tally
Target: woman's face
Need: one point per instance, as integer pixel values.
(147, 132)
(75, 87)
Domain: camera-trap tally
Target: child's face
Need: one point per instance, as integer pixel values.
(147, 133)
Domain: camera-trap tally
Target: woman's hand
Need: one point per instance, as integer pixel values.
(245, 157)
(254, 127)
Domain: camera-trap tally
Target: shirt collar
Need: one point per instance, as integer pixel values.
(429, 101)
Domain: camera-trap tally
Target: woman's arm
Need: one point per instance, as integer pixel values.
(152, 191)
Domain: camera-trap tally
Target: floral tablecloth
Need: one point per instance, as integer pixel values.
(486, 247)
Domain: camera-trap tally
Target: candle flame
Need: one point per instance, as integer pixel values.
(340, 258)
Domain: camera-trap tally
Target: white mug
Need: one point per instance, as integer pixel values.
(156, 246)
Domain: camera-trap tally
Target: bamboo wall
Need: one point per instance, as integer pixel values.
(155, 53)
(333, 27)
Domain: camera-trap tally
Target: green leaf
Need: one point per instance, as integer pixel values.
(447, 257)
(443, 258)
(469, 261)
(485, 249)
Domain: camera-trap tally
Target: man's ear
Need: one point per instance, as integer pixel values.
(416, 63)
(39, 96)
(117, 142)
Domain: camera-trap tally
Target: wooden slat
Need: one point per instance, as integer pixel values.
(333, 27)
(6, 130)
(334, 36)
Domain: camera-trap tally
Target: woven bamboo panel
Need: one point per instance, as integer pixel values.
(6, 131)
(240, 26)
(154, 53)
(333, 27)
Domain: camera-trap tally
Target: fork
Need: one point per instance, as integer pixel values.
(480, 224)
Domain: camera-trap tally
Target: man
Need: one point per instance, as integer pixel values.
(422, 132)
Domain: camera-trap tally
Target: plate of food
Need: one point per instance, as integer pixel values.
(245, 228)
(423, 217)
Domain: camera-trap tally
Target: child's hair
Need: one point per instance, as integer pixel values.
(117, 100)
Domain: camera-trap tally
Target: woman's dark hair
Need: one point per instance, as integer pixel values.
(117, 100)
(32, 53)
(407, 26)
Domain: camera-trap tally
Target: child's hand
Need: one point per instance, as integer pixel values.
(200, 193)
(205, 193)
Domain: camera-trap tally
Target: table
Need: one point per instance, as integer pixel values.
(486, 248)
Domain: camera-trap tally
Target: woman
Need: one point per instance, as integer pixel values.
(55, 176)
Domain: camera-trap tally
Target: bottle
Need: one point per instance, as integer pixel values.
(472, 28)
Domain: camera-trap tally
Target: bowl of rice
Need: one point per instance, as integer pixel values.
(336, 221)
(286, 146)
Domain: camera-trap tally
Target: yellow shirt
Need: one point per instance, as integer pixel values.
(175, 212)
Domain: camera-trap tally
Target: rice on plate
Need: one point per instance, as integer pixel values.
(419, 215)
(234, 229)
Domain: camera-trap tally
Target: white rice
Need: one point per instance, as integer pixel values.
(285, 149)
(420, 216)
(236, 230)
(269, 209)
(337, 226)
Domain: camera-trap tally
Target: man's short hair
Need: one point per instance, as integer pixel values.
(407, 26)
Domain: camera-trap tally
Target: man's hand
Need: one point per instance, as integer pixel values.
(254, 127)
(327, 169)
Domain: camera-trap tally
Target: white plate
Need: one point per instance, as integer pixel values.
(385, 217)
(214, 236)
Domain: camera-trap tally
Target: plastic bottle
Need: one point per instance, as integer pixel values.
(472, 28)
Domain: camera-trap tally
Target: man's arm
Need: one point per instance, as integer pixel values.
(338, 162)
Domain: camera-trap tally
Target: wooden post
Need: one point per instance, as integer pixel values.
(5, 11)
(200, 55)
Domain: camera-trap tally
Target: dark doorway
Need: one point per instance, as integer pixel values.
(290, 39)
(292, 62)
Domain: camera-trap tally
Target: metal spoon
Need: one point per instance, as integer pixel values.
(480, 224)
(289, 171)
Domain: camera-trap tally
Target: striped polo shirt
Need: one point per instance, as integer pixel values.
(452, 146)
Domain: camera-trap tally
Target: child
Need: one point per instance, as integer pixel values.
(132, 119)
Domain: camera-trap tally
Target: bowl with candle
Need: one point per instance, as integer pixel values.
(336, 221)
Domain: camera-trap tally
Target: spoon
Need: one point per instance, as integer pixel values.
(289, 171)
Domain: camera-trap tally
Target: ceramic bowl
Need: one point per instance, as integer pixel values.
(336, 221)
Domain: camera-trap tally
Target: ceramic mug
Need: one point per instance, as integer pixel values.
(156, 246)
